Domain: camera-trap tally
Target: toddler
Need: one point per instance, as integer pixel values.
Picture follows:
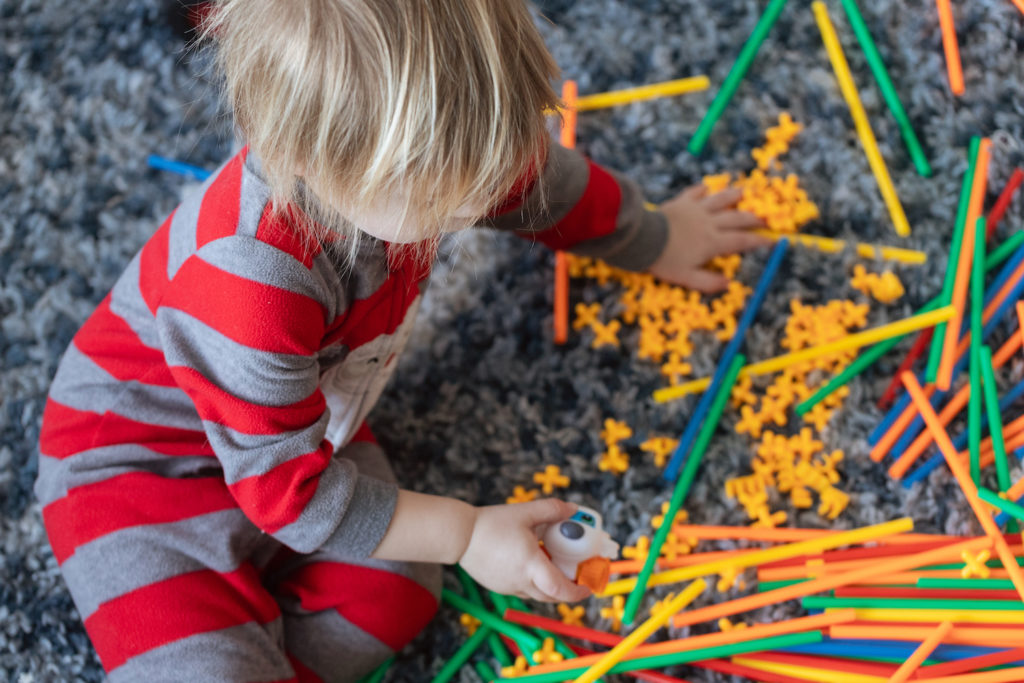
(213, 497)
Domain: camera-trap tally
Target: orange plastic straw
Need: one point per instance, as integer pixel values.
(798, 590)
(787, 535)
(570, 93)
(921, 653)
(634, 566)
(881, 449)
(960, 635)
(753, 632)
(1017, 490)
(949, 44)
(950, 410)
(963, 267)
(1019, 4)
(963, 476)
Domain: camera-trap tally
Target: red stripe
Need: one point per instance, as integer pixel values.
(276, 498)
(67, 431)
(303, 673)
(285, 233)
(219, 208)
(594, 215)
(185, 605)
(380, 313)
(113, 345)
(521, 188)
(363, 434)
(254, 314)
(218, 406)
(390, 607)
(133, 499)
(153, 266)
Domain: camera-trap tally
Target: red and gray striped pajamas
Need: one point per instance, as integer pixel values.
(209, 487)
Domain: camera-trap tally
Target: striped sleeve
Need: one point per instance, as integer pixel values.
(579, 206)
(241, 324)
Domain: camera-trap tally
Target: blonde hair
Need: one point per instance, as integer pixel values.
(436, 103)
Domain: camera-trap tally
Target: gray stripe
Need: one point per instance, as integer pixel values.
(83, 385)
(260, 262)
(557, 191)
(181, 238)
(250, 653)
(639, 237)
(335, 492)
(126, 301)
(131, 558)
(365, 518)
(247, 455)
(57, 475)
(333, 647)
(241, 371)
(253, 201)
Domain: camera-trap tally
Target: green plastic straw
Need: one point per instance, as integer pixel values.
(736, 73)
(659, 661)
(469, 587)
(974, 406)
(462, 655)
(501, 603)
(562, 648)
(960, 584)
(765, 586)
(486, 673)
(892, 99)
(868, 358)
(531, 642)
(1007, 506)
(683, 484)
(825, 602)
(377, 675)
(1004, 250)
(995, 420)
(935, 353)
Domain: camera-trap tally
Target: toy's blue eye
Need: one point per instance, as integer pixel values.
(585, 517)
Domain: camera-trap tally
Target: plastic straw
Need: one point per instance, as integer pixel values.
(178, 167)
(949, 45)
(561, 294)
(807, 673)
(614, 98)
(945, 374)
(995, 420)
(860, 118)
(889, 94)
(789, 534)
(1009, 507)
(1005, 197)
(963, 477)
(682, 487)
(514, 632)
(988, 636)
(971, 664)
(959, 226)
(897, 564)
(462, 655)
(736, 73)
(981, 605)
(831, 245)
(853, 341)
(730, 351)
(924, 338)
(974, 405)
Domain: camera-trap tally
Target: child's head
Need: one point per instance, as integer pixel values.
(405, 118)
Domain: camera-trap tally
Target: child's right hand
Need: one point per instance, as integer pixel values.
(505, 556)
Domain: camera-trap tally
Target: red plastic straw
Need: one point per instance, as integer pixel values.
(960, 666)
(920, 346)
(1005, 197)
(942, 593)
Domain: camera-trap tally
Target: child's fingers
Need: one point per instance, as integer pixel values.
(553, 585)
(740, 241)
(723, 200)
(544, 511)
(737, 220)
(702, 280)
(693, 192)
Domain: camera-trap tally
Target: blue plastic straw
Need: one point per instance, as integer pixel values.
(178, 167)
(732, 348)
(885, 649)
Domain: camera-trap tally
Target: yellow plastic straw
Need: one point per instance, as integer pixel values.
(860, 118)
(642, 632)
(853, 341)
(644, 92)
(780, 552)
(960, 616)
(808, 673)
(830, 245)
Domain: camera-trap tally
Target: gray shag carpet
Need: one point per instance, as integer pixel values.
(483, 399)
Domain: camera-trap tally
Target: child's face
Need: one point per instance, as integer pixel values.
(387, 223)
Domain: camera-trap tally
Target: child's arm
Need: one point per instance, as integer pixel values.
(497, 545)
(577, 205)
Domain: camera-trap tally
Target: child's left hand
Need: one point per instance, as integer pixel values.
(701, 227)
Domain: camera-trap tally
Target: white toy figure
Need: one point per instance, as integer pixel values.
(581, 548)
